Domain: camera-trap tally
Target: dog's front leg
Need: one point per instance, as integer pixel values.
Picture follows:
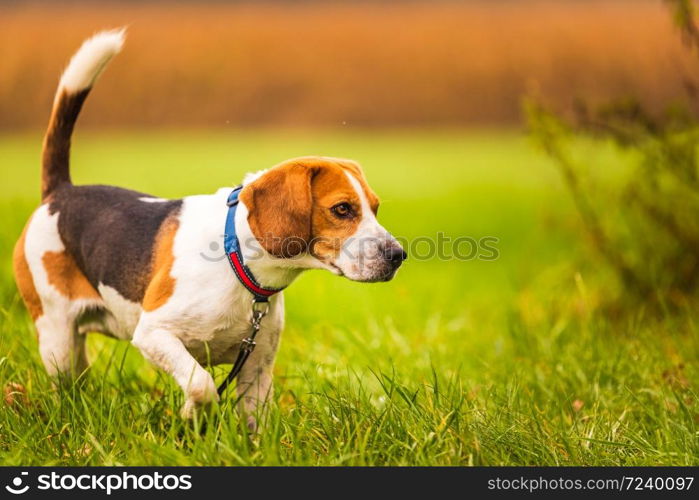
(166, 351)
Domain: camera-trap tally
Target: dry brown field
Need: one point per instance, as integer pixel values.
(327, 64)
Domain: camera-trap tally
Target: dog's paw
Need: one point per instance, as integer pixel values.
(200, 392)
(189, 409)
(251, 422)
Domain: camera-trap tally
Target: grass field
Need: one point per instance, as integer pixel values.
(508, 361)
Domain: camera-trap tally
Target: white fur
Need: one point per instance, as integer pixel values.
(253, 176)
(148, 199)
(123, 314)
(42, 236)
(90, 60)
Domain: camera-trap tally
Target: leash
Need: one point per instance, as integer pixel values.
(247, 345)
(261, 295)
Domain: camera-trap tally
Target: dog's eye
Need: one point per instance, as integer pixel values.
(342, 210)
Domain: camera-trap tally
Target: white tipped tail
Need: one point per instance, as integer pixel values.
(90, 60)
(77, 80)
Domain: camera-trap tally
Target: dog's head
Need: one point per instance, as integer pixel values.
(322, 208)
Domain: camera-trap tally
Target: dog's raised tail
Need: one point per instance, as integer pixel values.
(86, 65)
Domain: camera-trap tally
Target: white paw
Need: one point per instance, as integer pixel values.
(200, 391)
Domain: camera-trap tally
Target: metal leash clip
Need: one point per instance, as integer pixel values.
(259, 311)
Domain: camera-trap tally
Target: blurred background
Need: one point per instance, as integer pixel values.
(566, 130)
(338, 64)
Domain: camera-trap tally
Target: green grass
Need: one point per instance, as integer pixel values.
(479, 362)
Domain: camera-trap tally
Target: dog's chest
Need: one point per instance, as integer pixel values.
(220, 343)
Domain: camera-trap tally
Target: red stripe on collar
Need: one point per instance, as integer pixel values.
(243, 276)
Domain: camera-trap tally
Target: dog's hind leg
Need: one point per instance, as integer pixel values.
(56, 293)
(61, 346)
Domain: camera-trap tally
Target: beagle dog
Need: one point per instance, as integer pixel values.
(140, 268)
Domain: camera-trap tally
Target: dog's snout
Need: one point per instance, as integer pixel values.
(396, 255)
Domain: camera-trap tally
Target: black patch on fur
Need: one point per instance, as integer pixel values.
(56, 154)
(111, 234)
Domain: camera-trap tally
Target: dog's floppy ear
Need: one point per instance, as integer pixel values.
(279, 205)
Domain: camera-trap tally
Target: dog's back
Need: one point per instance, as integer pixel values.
(111, 232)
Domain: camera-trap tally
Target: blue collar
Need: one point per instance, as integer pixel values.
(235, 256)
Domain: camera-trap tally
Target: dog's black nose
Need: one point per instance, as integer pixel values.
(396, 255)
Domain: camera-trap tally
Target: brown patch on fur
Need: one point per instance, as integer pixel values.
(279, 203)
(56, 152)
(354, 168)
(290, 206)
(331, 187)
(24, 278)
(64, 274)
(162, 284)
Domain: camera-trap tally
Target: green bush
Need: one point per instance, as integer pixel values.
(642, 220)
